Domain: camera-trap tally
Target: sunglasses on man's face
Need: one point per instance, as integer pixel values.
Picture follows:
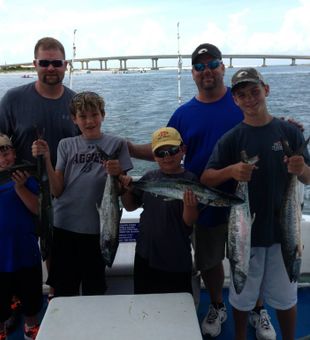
(211, 65)
(168, 152)
(54, 63)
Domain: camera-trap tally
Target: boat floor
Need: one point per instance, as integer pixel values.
(303, 321)
(303, 316)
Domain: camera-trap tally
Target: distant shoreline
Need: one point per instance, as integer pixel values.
(31, 71)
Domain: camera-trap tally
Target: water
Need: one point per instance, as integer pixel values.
(139, 103)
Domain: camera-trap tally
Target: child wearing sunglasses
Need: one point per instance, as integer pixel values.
(163, 260)
(20, 259)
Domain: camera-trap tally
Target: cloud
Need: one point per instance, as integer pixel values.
(109, 28)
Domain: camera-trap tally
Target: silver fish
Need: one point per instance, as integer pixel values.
(109, 213)
(239, 234)
(45, 216)
(174, 189)
(290, 222)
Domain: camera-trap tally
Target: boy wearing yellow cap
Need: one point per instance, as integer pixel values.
(163, 261)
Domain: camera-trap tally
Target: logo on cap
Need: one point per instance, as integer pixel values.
(202, 50)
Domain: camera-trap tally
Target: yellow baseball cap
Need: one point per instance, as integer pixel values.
(165, 136)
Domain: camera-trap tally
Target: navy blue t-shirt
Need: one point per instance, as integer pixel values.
(269, 180)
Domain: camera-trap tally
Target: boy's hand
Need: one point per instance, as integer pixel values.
(40, 147)
(125, 180)
(20, 178)
(113, 167)
(242, 172)
(295, 164)
(189, 198)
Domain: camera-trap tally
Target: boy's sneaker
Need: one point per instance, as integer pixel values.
(2, 335)
(30, 333)
(212, 323)
(261, 322)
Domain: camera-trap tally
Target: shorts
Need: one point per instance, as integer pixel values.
(25, 283)
(268, 279)
(209, 245)
(76, 262)
(148, 280)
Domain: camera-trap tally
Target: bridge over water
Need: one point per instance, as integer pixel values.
(122, 62)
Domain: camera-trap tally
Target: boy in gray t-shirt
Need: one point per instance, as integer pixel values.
(77, 184)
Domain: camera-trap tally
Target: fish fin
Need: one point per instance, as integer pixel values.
(253, 218)
(303, 146)
(103, 155)
(286, 147)
(249, 160)
(114, 155)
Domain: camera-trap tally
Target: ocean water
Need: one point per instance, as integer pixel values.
(139, 103)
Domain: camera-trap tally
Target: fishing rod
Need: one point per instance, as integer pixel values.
(179, 66)
(72, 60)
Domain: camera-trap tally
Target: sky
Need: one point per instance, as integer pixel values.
(144, 27)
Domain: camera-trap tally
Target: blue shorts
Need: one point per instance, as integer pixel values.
(268, 279)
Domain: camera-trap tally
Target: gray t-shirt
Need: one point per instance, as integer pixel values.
(23, 110)
(84, 180)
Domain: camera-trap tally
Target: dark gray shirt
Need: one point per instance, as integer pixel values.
(23, 110)
(164, 238)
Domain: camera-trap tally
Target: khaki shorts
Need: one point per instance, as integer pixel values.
(209, 245)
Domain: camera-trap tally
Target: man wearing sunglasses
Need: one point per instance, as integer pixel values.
(41, 108)
(201, 122)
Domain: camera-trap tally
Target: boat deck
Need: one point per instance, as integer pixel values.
(120, 281)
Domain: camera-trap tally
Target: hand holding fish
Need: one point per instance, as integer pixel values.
(125, 181)
(20, 178)
(40, 147)
(190, 211)
(113, 167)
(242, 172)
(295, 164)
(189, 198)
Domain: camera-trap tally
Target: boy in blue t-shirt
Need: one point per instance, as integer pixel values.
(20, 259)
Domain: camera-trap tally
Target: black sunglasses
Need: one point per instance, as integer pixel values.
(212, 65)
(168, 152)
(54, 63)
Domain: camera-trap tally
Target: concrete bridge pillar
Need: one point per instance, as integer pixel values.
(230, 62)
(293, 62)
(123, 67)
(82, 65)
(100, 62)
(264, 62)
(154, 63)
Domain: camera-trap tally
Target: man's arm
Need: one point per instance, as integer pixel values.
(140, 151)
